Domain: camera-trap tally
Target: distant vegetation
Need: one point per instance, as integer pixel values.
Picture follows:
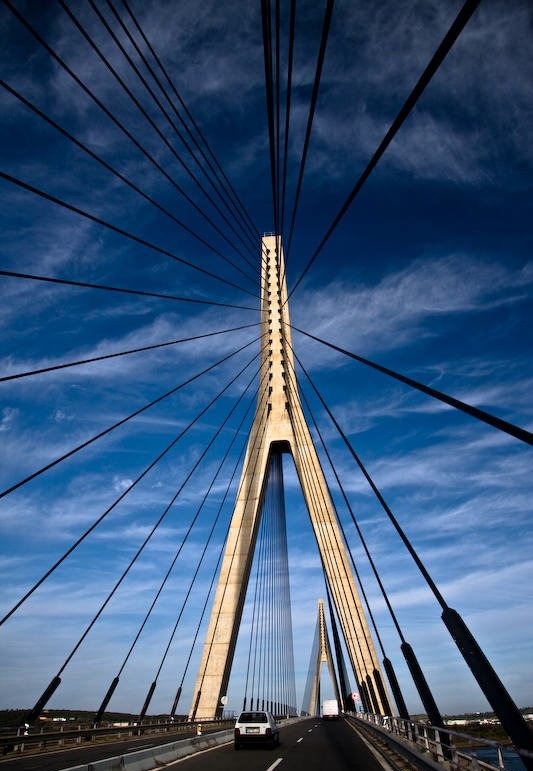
(13, 718)
(480, 725)
(477, 716)
(493, 732)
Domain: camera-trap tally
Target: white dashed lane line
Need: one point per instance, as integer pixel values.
(300, 740)
(274, 764)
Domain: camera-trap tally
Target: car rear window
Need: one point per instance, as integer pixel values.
(253, 717)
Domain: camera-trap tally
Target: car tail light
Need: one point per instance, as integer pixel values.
(268, 732)
(237, 732)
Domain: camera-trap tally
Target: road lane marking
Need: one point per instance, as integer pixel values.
(309, 730)
(300, 740)
(274, 764)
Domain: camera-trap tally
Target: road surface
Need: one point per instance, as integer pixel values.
(309, 745)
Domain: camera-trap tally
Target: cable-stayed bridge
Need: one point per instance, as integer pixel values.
(150, 489)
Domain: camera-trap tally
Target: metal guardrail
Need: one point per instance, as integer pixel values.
(450, 749)
(46, 737)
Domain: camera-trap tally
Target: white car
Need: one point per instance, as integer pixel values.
(257, 727)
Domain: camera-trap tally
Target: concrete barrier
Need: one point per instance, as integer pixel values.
(153, 757)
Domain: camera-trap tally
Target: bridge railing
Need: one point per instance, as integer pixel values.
(445, 746)
(51, 736)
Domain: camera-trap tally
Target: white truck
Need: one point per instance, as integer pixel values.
(330, 709)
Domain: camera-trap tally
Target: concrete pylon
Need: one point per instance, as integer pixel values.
(279, 426)
(323, 657)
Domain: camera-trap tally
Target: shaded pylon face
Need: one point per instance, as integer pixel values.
(279, 422)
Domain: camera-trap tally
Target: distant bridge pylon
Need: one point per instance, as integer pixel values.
(280, 426)
(320, 656)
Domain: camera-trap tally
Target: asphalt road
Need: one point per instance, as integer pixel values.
(309, 745)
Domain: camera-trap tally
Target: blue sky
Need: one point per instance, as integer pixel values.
(429, 273)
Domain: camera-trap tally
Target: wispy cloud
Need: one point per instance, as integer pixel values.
(406, 305)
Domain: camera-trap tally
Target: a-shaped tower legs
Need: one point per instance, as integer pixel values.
(280, 425)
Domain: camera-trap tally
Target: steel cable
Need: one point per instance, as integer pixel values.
(103, 357)
(214, 574)
(258, 551)
(362, 539)
(107, 511)
(154, 125)
(377, 493)
(254, 451)
(224, 197)
(436, 60)
(174, 560)
(339, 522)
(414, 667)
(210, 534)
(117, 173)
(475, 412)
(269, 93)
(120, 231)
(326, 23)
(277, 104)
(121, 422)
(165, 511)
(259, 641)
(124, 290)
(189, 115)
(292, 27)
(98, 102)
(156, 128)
(57, 679)
(340, 590)
(400, 702)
